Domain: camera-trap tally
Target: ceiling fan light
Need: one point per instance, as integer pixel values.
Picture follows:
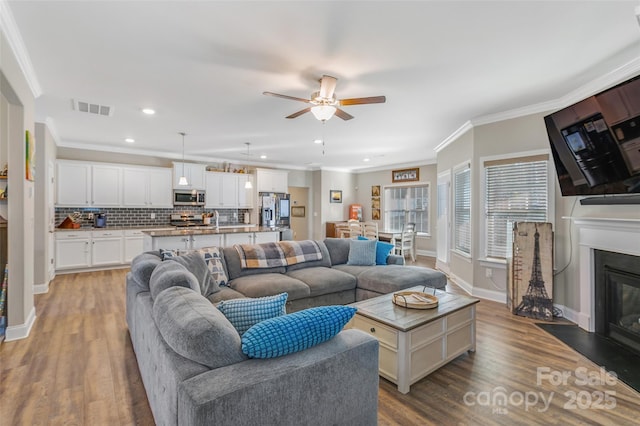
(323, 112)
(183, 181)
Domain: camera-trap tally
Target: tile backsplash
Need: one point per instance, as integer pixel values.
(142, 217)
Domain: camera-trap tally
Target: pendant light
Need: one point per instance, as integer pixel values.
(183, 179)
(248, 184)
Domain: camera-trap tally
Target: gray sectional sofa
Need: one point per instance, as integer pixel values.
(189, 380)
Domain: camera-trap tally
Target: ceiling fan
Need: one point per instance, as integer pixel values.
(324, 103)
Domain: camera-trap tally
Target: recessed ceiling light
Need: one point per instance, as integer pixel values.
(264, 157)
(366, 159)
(149, 111)
(130, 140)
(318, 141)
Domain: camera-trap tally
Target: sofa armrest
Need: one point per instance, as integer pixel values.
(335, 382)
(395, 259)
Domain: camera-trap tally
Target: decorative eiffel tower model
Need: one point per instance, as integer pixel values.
(536, 303)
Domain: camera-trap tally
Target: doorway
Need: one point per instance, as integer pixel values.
(443, 221)
(299, 212)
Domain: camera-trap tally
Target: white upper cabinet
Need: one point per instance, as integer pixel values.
(245, 195)
(73, 183)
(272, 180)
(195, 174)
(146, 187)
(227, 190)
(106, 185)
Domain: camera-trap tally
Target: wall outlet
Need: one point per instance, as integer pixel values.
(488, 272)
(153, 215)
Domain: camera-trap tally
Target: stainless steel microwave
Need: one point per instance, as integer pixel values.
(188, 197)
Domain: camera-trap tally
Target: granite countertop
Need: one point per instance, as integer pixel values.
(198, 230)
(155, 228)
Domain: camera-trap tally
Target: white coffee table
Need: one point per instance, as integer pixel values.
(415, 342)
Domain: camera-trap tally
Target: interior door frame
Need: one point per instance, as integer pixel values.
(443, 221)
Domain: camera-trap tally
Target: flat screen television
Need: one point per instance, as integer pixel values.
(595, 143)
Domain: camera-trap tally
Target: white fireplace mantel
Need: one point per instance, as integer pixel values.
(595, 233)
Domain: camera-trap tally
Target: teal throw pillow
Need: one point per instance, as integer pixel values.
(244, 313)
(383, 250)
(362, 252)
(295, 332)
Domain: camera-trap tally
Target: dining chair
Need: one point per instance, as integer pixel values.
(370, 230)
(355, 228)
(342, 230)
(407, 241)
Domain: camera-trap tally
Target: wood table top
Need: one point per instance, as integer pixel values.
(383, 310)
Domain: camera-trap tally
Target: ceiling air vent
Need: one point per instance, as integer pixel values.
(82, 106)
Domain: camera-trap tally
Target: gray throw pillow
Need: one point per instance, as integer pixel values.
(195, 263)
(362, 252)
(195, 329)
(171, 274)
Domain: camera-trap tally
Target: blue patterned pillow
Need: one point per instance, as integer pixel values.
(295, 332)
(213, 257)
(362, 252)
(244, 313)
(383, 250)
(168, 254)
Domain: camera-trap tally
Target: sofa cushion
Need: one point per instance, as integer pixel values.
(245, 313)
(391, 278)
(166, 254)
(195, 329)
(362, 252)
(142, 267)
(194, 262)
(234, 268)
(325, 261)
(322, 280)
(270, 284)
(225, 293)
(214, 258)
(383, 250)
(295, 332)
(338, 250)
(171, 274)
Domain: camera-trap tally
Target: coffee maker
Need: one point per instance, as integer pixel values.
(100, 220)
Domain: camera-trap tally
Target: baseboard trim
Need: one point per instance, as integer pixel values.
(429, 253)
(462, 283)
(41, 288)
(496, 296)
(17, 332)
(568, 313)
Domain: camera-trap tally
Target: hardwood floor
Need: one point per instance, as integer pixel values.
(78, 368)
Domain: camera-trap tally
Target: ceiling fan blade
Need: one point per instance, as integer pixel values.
(361, 101)
(299, 113)
(293, 98)
(327, 86)
(344, 115)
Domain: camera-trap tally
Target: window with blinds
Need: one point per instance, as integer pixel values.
(406, 204)
(516, 190)
(462, 210)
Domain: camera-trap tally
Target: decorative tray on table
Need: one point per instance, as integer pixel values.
(415, 300)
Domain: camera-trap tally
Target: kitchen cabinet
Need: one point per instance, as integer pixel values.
(106, 248)
(181, 242)
(266, 237)
(245, 195)
(73, 250)
(272, 180)
(227, 190)
(105, 185)
(133, 244)
(251, 238)
(73, 183)
(194, 172)
(146, 187)
(209, 240)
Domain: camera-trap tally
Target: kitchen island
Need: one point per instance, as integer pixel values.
(198, 237)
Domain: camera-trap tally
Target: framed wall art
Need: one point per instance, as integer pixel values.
(335, 196)
(405, 175)
(297, 211)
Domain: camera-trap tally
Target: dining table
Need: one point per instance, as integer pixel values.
(390, 236)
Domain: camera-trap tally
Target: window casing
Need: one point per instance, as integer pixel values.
(516, 190)
(405, 204)
(462, 210)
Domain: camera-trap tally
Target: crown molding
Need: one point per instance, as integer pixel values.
(14, 39)
(617, 75)
(51, 125)
(387, 167)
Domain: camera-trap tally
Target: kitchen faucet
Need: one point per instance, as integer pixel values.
(217, 216)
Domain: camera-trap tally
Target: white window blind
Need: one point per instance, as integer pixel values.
(515, 191)
(406, 204)
(462, 210)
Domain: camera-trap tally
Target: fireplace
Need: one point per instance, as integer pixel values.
(617, 297)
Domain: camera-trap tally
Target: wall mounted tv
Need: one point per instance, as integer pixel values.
(596, 144)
